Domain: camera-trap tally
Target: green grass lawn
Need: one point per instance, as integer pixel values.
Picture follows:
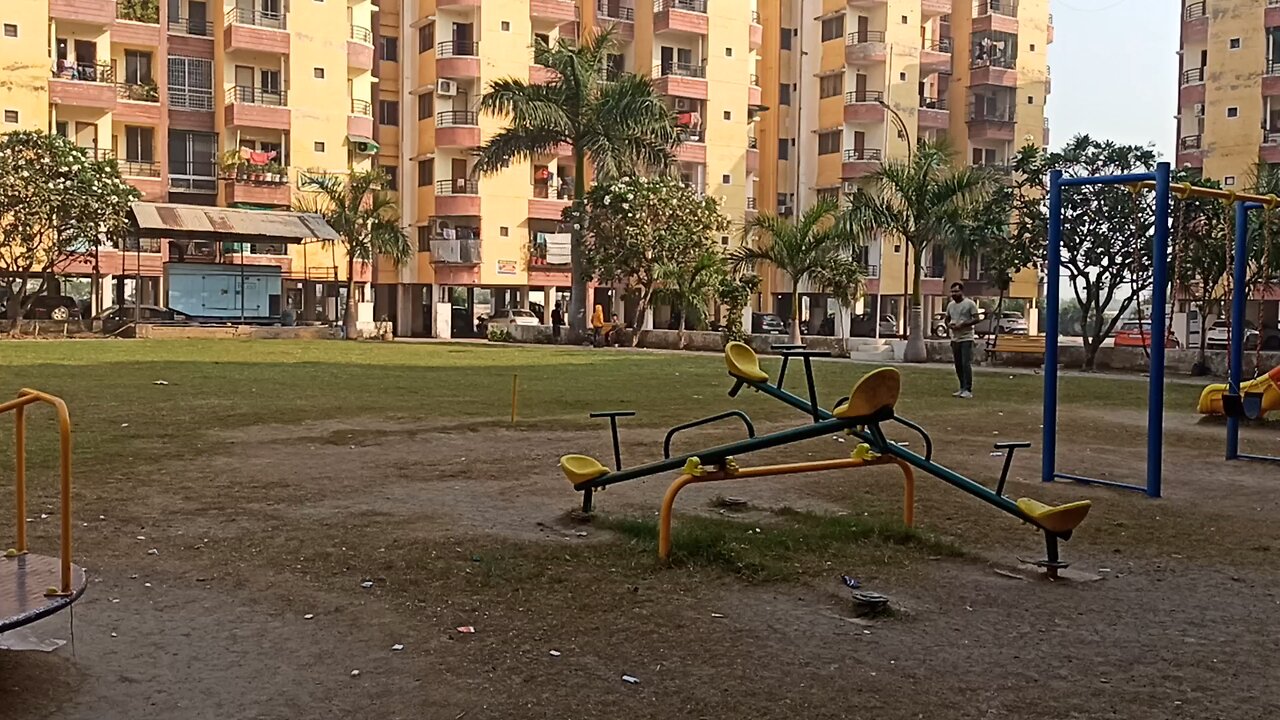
(122, 417)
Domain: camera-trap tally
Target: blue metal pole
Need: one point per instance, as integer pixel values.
(1239, 294)
(1130, 179)
(1159, 298)
(1049, 440)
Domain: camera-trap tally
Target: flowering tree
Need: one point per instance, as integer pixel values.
(55, 201)
(636, 225)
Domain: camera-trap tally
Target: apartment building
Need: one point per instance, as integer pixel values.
(207, 102)
(1229, 88)
(502, 233)
(875, 76)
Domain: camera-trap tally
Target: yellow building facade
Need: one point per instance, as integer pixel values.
(214, 102)
(1229, 88)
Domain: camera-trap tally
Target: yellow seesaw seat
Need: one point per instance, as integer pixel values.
(581, 468)
(877, 391)
(1056, 518)
(743, 363)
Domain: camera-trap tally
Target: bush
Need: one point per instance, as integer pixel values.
(499, 334)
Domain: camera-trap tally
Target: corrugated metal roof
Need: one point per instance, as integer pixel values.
(169, 220)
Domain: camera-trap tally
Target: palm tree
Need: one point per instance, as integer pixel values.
(926, 200)
(815, 248)
(366, 217)
(690, 289)
(615, 121)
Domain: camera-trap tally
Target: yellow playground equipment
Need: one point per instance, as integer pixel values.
(1257, 397)
(36, 586)
(869, 406)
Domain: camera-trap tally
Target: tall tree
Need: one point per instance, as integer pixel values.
(637, 225)
(1106, 231)
(926, 200)
(816, 248)
(365, 214)
(1201, 249)
(56, 201)
(614, 122)
(691, 289)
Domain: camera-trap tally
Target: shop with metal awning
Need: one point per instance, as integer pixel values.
(200, 279)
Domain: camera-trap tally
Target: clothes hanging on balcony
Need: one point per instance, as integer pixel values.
(257, 158)
(689, 120)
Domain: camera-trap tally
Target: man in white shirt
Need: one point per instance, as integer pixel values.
(962, 315)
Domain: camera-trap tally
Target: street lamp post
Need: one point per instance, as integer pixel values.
(901, 126)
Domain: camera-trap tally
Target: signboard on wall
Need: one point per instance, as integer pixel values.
(507, 267)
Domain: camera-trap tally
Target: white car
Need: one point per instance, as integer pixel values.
(1219, 335)
(509, 317)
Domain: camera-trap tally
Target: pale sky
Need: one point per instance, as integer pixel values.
(1114, 69)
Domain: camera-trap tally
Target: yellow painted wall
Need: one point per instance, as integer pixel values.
(24, 85)
(729, 69)
(1234, 79)
(902, 73)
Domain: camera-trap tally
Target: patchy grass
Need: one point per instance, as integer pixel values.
(785, 545)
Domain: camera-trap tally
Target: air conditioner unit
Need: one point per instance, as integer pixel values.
(684, 105)
(446, 87)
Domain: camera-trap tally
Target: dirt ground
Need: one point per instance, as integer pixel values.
(254, 605)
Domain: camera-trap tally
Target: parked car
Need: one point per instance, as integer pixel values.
(767, 324)
(48, 307)
(118, 316)
(508, 317)
(1135, 333)
(864, 325)
(938, 326)
(1009, 322)
(1219, 336)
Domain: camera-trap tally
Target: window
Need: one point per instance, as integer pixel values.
(728, 115)
(389, 112)
(829, 142)
(504, 231)
(904, 20)
(319, 73)
(389, 49)
(139, 144)
(425, 106)
(828, 194)
(786, 38)
(426, 37)
(724, 240)
(63, 128)
(319, 146)
(137, 67)
(616, 64)
(784, 149)
(1031, 99)
(10, 30)
(728, 52)
(726, 179)
(1033, 47)
(393, 176)
(1235, 43)
(541, 39)
(1229, 180)
(424, 238)
(784, 94)
(1233, 112)
(902, 76)
(190, 83)
(11, 117)
(425, 173)
(833, 28)
(831, 85)
(505, 25)
(193, 160)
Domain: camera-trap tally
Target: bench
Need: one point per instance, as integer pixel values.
(1016, 345)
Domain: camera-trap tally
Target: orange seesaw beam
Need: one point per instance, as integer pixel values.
(669, 500)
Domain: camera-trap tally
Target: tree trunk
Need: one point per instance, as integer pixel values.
(351, 312)
(795, 311)
(578, 290)
(916, 351)
(1090, 353)
(642, 309)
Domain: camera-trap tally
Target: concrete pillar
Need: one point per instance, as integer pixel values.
(648, 319)
(618, 306)
(404, 309)
(1032, 315)
(548, 304)
(524, 298)
(308, 300)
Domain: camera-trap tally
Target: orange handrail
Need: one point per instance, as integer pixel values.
(27, 396)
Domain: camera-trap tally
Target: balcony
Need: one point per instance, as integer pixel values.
(1271, 19)
(458, 3)
(257, 107)
(678, 79)
(1193, 76)
(86, 85)
(458, 59)
(539, 75)
(934, 8)
(139, 103)
(859, 163)
(753, 157)
(1270, 151)
(137, 24)
(360, 119)
(557, 11)
(933, 114)
(991, 123)
(615, 10)
(457, 196)
(1271, 79)
(256, 31)
(98, 13)
(755, 33)
(189, 175)
(997, 72)
(865, 47)
(145, 176)
(1195, 24)
(360, 49)
(190, 26)
(256, 186)
(692, 148)
(753, 207)
(683, 16)
(995, 16)
(457, 129)
(1191, 150)
(864, 106)
(195, 99)
(754, 92)
(456, 252)
(936, 57)
(548, 204)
